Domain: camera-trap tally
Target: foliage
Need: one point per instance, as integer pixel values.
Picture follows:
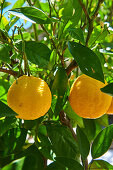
(64, 39)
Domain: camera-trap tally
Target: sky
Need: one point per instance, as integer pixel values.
(19, 22)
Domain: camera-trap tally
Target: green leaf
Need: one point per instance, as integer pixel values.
(6, 111)
(15, 165)
(103, 120)
(67, 10)
(102, 142)
(18, 3)
(89, 128)
(6, 124)
(77, 33)
(4, 53)
(77, 14)
(3, 22)
(45, 146)
(31, 159)
(55, 166)
(98, 35)
(37, 53)
(69, 163)
(4, 86)
(5, 4)
(32, 14)
(63, 143)
(108, 89)
(87, 60)
(72, 115)
(15, 140)
(83, 143)
(59, 90)
(100, 164)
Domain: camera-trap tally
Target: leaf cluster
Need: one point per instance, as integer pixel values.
(64, 39)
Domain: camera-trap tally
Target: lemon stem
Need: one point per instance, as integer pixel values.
(26, 66)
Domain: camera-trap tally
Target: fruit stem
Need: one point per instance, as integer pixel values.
(26, 66)
(85, 164)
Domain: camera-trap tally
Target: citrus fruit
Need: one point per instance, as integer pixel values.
(29, 97)
(86, 98)
(110, 109)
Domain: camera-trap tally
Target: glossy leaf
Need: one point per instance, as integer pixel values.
(63, 143)
(67, 10)
(5, 4)
(89, 128)
(102, 142)
(87, 60)
(15, 165)
(31, 159)
(59, 90)
(98, 35)
(77, 33)
(108, 89)
(15, 140)
(103, 120)
(18, 3)
(44, 143)
(6, 124)
(69, 163)
(4, 86)
(100, 164)
(56, 166)
(3, 22)
(4, 53)
(77, 14)
(83, 143)
(6, 111)
(32, 14)
(37, 53)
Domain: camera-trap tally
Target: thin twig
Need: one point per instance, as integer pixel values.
(11, 72)
(65, 121)
(53, 43)
(96, 11)
(26, 66)
(84, 9)
(86, 164)
(90, 28)
(71, 66)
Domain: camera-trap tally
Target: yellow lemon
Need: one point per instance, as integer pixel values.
(86, 98)
(29, 97)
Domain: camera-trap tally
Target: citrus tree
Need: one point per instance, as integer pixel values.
(46, 112)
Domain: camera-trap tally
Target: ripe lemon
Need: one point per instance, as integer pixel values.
(110, 109)
(29, 97)
(86, 98)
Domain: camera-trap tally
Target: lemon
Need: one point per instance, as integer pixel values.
(29, 97)
(86, 98)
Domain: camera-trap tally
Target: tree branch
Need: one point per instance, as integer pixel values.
(54, 45)
(71, 66)
(90, 28)
(96, 11)
(11, 72)
(85, 10)
(65, 121)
